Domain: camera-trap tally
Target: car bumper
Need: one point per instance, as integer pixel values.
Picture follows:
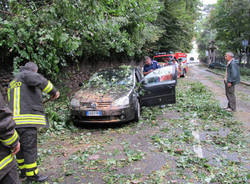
(106, 116)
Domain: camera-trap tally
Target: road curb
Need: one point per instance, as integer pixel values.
(242, 82)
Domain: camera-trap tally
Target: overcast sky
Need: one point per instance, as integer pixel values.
(209, 1)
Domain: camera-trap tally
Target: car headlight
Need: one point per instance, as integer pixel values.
(123, 101)
(75, 103)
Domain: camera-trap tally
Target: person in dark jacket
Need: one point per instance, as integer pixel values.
(9, 146)
(150, 65)
(25, 99)
(232, 77)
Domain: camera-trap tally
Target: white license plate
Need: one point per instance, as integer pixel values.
(94, 113)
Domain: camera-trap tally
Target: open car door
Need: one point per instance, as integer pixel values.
(158, 87)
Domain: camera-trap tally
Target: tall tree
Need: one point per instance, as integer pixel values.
(177, 20)
(230, 19)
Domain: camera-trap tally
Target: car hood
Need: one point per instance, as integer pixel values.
(100, 95)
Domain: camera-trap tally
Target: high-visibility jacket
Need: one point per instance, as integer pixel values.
(25, 98)
(8, 139)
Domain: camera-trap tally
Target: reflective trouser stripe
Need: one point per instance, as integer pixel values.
(26, 166)
(20, 161)
(11, 140)
(32, 173)
(21, 166)
(31, 166)
(6, 161)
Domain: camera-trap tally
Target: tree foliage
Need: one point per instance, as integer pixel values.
(229, 20)
(177, 19)
(204, 33)
(53, 33)
(58, 30)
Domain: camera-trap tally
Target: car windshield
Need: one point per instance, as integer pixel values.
(112, 78)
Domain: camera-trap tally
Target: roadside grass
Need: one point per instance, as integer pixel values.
(109, 155)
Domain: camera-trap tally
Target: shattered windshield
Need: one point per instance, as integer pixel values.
(112, 78)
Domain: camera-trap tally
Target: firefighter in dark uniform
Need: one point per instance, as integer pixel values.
(9, 146)
(25, 99)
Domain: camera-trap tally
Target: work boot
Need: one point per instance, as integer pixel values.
(36, 178)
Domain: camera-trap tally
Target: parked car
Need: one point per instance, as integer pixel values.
(117, 94)
(217, 66)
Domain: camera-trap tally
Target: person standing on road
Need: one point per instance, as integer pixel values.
(232, 77)
(9, 146)
(150, 65)
(25, 99)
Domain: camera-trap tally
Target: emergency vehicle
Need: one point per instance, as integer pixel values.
(165, 59)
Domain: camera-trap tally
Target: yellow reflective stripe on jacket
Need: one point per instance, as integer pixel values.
(16, 103)
(31, 166)
(6, 161)
(30, 119)
(30, 122)
(29, 115)
(11, 140)
(48, 88)
(32, 173)
(20, 161)
(23, 117)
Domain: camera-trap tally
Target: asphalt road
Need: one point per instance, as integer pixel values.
(178, 144)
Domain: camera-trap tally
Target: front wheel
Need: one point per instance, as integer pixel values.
(137, 111)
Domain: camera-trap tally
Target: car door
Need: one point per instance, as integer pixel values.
(158, 87)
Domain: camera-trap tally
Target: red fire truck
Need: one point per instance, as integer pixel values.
(178, 59)
(165, 59)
